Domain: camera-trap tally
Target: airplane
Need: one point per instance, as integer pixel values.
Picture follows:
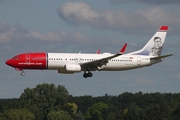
(70, 63)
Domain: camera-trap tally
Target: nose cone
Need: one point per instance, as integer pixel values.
(9, 62)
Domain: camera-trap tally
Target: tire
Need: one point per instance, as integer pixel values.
(85, 75)
(90, 74)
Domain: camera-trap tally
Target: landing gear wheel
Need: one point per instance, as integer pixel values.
(90, 74)
(85, 75)
(22, 74)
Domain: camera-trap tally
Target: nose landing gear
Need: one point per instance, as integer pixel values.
(22, 74)
(89, 74)
(22, 71)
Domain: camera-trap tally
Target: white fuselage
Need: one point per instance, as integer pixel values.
(57, 61)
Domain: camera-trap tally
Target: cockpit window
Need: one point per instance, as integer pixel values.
(16, 58)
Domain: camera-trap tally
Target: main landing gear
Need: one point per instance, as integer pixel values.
(89, 74)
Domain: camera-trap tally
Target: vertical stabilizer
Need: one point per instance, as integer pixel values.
(154, 45)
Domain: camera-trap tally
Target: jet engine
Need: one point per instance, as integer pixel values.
(72, 68)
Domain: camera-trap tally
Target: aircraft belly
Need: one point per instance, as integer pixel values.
(119, 66)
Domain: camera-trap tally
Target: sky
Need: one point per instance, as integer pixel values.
(86, 26)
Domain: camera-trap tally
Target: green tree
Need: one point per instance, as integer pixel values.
(80, 116)
(176, 113)
(44, 98)
(7, 104)
(153, 112)
(133, 112)
(96, 111)
(111, 116)
(83, 102)
(74, 107)
(58, 115)
(17, 114)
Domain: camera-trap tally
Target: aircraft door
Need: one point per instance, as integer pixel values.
(138, 60)
(78, 60)
(27, 58)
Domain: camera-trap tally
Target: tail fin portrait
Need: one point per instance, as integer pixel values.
(155, 44)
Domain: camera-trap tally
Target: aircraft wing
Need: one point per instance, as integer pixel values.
(93, 65)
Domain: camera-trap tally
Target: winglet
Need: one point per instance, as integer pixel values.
(98, 51)
(123, 49)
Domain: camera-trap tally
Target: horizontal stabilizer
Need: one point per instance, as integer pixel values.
(159, 57)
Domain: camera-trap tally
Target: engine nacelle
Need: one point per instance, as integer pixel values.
(72, 68)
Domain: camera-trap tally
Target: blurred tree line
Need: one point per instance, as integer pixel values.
(50, 102)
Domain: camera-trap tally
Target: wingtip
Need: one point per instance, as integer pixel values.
(98, 51)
